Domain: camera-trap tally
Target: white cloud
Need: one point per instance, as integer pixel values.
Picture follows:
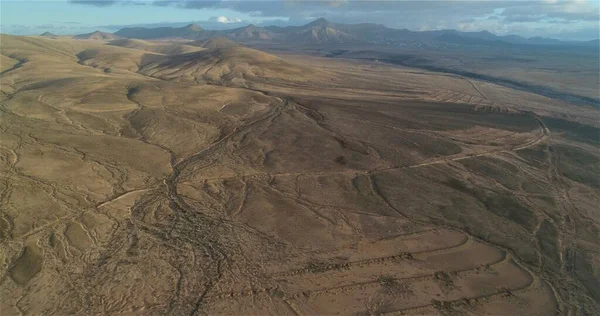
(226, 20)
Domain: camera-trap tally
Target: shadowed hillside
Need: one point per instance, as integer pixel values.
(161, 48)
(224, 61)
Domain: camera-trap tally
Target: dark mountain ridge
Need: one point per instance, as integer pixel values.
(97, 35)
(322, 31)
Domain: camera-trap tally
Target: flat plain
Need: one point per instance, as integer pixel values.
(170, 178)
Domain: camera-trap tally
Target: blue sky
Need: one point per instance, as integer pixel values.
(563, 19)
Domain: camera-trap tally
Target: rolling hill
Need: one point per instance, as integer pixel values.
(137, 177)
(224, 61)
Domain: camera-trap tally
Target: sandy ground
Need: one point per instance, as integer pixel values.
(154, 179)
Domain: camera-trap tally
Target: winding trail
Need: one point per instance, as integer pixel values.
(543, 135)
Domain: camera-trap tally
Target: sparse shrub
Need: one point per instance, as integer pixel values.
(506, 291)
(386, 281)
(445, 308)
(375, 306)
(406, 255)
(341, 160)
(393, 286)
(276, 292)
(445, 279)
(316, 267)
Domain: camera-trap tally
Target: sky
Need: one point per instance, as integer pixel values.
(562, 19)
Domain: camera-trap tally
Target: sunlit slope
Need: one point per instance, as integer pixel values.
(218, 61)
(53, 59)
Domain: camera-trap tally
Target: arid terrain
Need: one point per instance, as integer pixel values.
(154, 177)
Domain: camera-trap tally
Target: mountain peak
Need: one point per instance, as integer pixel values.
(97, 35)
(193, 27)
(319, 22)
(49, 34)
(251, 32)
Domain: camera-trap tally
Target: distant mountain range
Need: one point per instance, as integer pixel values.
(97, 35)
(322, 31)
(48, 34)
